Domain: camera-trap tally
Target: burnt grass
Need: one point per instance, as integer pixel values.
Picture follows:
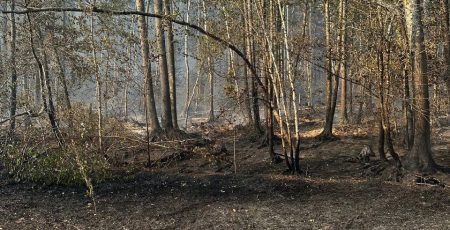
(192, 193)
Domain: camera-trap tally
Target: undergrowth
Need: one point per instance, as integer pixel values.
(74, 165)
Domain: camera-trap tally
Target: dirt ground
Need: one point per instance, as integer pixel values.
(203, 193)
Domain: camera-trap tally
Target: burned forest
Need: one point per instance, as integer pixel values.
(224, 114)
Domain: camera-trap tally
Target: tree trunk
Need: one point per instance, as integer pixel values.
(250, 53)
(171, 65)
(327, 132)
(13, 95)
(343, 62)
(310, 58)
(246, 91)
(98, 87)
(63, 79)
(407, 110)
(166, 108)
(381, 135)
(186, 66)
(153, 122)
(45, 84)
(420, 158)
(51, 107)
(209, 67)
(445, 6)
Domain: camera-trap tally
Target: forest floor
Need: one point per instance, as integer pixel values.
(200, 192)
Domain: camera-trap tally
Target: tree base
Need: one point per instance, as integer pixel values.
(276, 159)
(323, 137)
(264, 142)
(420, 161)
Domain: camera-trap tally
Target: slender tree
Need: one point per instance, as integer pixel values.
(44, 75)
(343, 60)
(327, 132)
(152, 116)
(166, 108)
(171, 65)
(13, 83)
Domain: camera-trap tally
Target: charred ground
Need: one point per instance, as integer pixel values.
(200, 190)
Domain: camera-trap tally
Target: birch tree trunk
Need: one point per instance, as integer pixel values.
(295, 159)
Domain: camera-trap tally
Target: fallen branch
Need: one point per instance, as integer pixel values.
(29, 113)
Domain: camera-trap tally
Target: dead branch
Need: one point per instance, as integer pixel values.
(28, 113)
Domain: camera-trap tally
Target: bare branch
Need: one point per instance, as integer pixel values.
(164, 17)
(28, 113)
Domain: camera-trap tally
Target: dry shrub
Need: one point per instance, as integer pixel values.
(34, 155)
(75, 165)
